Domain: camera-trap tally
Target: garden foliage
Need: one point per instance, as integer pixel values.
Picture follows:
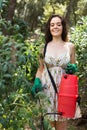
(18, 65)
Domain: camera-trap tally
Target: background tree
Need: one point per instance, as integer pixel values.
(11, 9)
(35, 13)
(70, 14)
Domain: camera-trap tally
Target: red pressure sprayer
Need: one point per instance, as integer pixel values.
(68, 94)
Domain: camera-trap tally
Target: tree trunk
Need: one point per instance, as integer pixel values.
(11, 9)
(70, 11)
(10, 15)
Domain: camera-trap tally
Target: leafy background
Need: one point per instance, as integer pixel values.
(21, 36)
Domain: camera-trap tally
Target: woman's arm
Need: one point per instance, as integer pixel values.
(37, 82)
(72, 56)
(71, 67)
(40, 69)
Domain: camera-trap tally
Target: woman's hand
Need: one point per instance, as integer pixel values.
(71, 68)
(36, 87)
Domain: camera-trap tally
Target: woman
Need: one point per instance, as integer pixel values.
(59, 52)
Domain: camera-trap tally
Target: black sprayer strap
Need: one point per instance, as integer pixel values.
(45, 47)
(52, 80)
(50, 75)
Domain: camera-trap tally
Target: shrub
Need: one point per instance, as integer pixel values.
(79, 37)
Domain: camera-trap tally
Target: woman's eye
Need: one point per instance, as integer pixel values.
(58, 24)
(52, 25)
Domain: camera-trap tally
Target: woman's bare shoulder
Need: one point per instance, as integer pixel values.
(71, 45)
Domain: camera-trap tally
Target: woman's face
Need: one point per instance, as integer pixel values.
(56, 27)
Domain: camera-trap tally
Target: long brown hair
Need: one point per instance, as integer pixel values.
(48, 36)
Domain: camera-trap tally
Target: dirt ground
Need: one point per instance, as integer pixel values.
(79, 124)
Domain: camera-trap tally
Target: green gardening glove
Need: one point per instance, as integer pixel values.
(36, 87)
(71, 68)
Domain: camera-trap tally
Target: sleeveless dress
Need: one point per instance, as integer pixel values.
(56, 66)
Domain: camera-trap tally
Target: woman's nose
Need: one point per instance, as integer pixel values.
(55, 26)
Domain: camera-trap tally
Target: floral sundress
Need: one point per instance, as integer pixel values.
(56, 66)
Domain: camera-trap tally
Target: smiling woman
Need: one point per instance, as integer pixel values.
(59, 52)
(56, 27)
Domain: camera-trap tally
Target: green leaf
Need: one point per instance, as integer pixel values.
(1, 4)
(7, 76)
